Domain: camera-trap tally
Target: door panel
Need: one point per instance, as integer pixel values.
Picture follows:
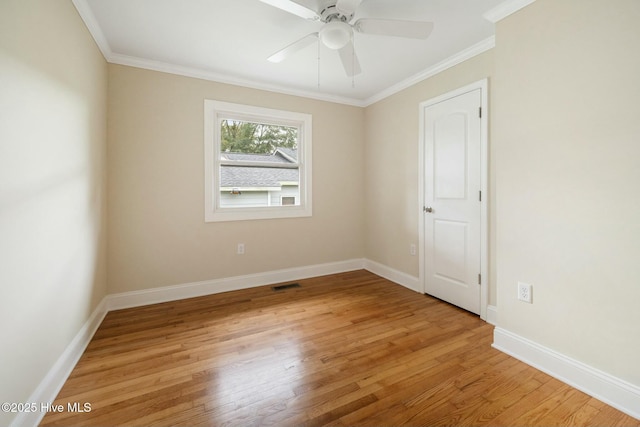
(450, 156)
(450, 238)
(452, 224)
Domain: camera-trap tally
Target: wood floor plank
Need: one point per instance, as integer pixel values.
(350, 349)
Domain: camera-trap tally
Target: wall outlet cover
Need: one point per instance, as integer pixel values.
(525, 292)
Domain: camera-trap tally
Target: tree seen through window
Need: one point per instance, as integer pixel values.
(258, 138)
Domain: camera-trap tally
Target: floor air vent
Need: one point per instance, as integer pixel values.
(283, 287)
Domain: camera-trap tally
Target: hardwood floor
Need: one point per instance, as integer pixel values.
(351, 349)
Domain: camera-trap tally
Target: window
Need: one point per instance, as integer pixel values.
(257, 162)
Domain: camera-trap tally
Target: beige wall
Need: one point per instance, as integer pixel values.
(157, 233)
(566, 134)
(391, 166)
(53, 89)
(563, 167)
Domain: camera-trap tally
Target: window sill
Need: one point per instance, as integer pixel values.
(245, 214)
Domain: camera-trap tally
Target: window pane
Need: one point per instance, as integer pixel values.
(256, 138)
(258, 164)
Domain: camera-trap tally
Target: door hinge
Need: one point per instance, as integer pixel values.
(479, 279)
(480, 112)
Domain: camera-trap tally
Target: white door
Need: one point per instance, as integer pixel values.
(452, 200)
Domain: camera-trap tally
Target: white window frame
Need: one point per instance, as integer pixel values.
(214, 113)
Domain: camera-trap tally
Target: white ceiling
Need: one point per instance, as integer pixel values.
(230, 41)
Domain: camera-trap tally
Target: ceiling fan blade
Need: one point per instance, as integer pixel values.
(347, 7)
(349, 60)
(394, 27)
(294, 8)
(282, 54)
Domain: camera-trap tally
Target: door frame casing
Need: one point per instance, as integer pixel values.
(484, 173)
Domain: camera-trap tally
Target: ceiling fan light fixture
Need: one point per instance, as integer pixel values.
(335, 34)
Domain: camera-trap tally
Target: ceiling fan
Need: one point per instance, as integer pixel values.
(337, 31)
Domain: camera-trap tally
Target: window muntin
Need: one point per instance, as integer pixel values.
(256, 159)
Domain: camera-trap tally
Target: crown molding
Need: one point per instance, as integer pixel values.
(456, 59)
(198, 73)
(505, 9)
(164, 67)
(92, 25)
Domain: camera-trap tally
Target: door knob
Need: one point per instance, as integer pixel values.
(428, 209)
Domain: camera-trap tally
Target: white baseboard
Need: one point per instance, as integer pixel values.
(51, 384)
(604, 387)
(492, 315)
(208, 287)
(396, 276)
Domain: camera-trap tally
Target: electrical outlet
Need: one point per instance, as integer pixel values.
(524, 292)
(412, 250)
(240, 249)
